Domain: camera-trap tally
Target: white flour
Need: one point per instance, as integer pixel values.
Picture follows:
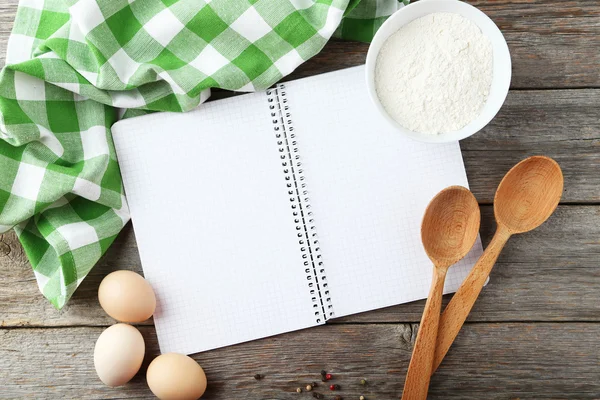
(434, 74)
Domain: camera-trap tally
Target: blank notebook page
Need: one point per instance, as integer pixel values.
(213, 223)
(369, 187)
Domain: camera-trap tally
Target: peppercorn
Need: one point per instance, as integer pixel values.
(308, 388)
(299, 390)
(362, 398)
(328, 376)
(363, 382)
(334, 387)
(323, 373)
(338, 397)
(314, 384)
(258, 377)
(318, 395)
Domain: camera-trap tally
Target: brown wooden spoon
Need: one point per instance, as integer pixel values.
(448, 231)
(526, 197)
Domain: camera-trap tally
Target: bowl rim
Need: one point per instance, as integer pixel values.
(500, 52)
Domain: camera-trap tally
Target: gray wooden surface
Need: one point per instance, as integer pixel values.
(535, 331)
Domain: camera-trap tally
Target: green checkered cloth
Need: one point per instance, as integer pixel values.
(363, 18)
(74, 67)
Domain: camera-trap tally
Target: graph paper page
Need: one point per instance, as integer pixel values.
(213, 224)
(369, 187)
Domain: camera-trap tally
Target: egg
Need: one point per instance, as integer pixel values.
(127, 296)
(118, 354)
(174, 376)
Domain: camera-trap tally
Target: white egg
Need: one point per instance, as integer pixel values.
(118, 354)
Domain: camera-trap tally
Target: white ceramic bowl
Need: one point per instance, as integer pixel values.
(501, 64)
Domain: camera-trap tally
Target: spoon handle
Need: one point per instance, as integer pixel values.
(419, 369)
(458, 309)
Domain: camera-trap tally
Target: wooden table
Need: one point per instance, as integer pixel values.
(535, 331)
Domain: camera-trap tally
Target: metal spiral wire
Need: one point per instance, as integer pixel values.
(300, 203)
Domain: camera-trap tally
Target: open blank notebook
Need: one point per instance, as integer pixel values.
(276, 211)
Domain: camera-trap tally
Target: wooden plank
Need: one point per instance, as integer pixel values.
(562, 124)
(552, 43)
(21, 303)
(8, 10)
(550, 274)
(491, 361)
(558, 37)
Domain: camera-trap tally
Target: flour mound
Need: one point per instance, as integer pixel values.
(434, 75)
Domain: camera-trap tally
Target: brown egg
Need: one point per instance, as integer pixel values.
(174, 376)
(118, 354)
(127, 296)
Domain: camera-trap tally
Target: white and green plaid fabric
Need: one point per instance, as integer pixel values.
(73, 67)
(363, 18)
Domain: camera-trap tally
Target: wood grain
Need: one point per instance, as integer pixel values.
(564, 251)
(8, 10)
(549, 275)
(449, 230)
(560, 37)
(491, 361)
(562, 124)
(526, 197)
(418, 376)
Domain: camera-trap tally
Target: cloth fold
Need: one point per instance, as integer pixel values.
(73, 66)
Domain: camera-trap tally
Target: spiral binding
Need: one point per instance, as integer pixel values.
(306, 230)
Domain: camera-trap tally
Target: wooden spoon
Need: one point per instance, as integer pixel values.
(526, 197)
(448, 232)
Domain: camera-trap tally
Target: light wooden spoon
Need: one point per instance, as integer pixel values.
(448, 232)
(526, 197)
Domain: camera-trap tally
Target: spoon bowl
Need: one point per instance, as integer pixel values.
(528, 194)
(450, 225)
